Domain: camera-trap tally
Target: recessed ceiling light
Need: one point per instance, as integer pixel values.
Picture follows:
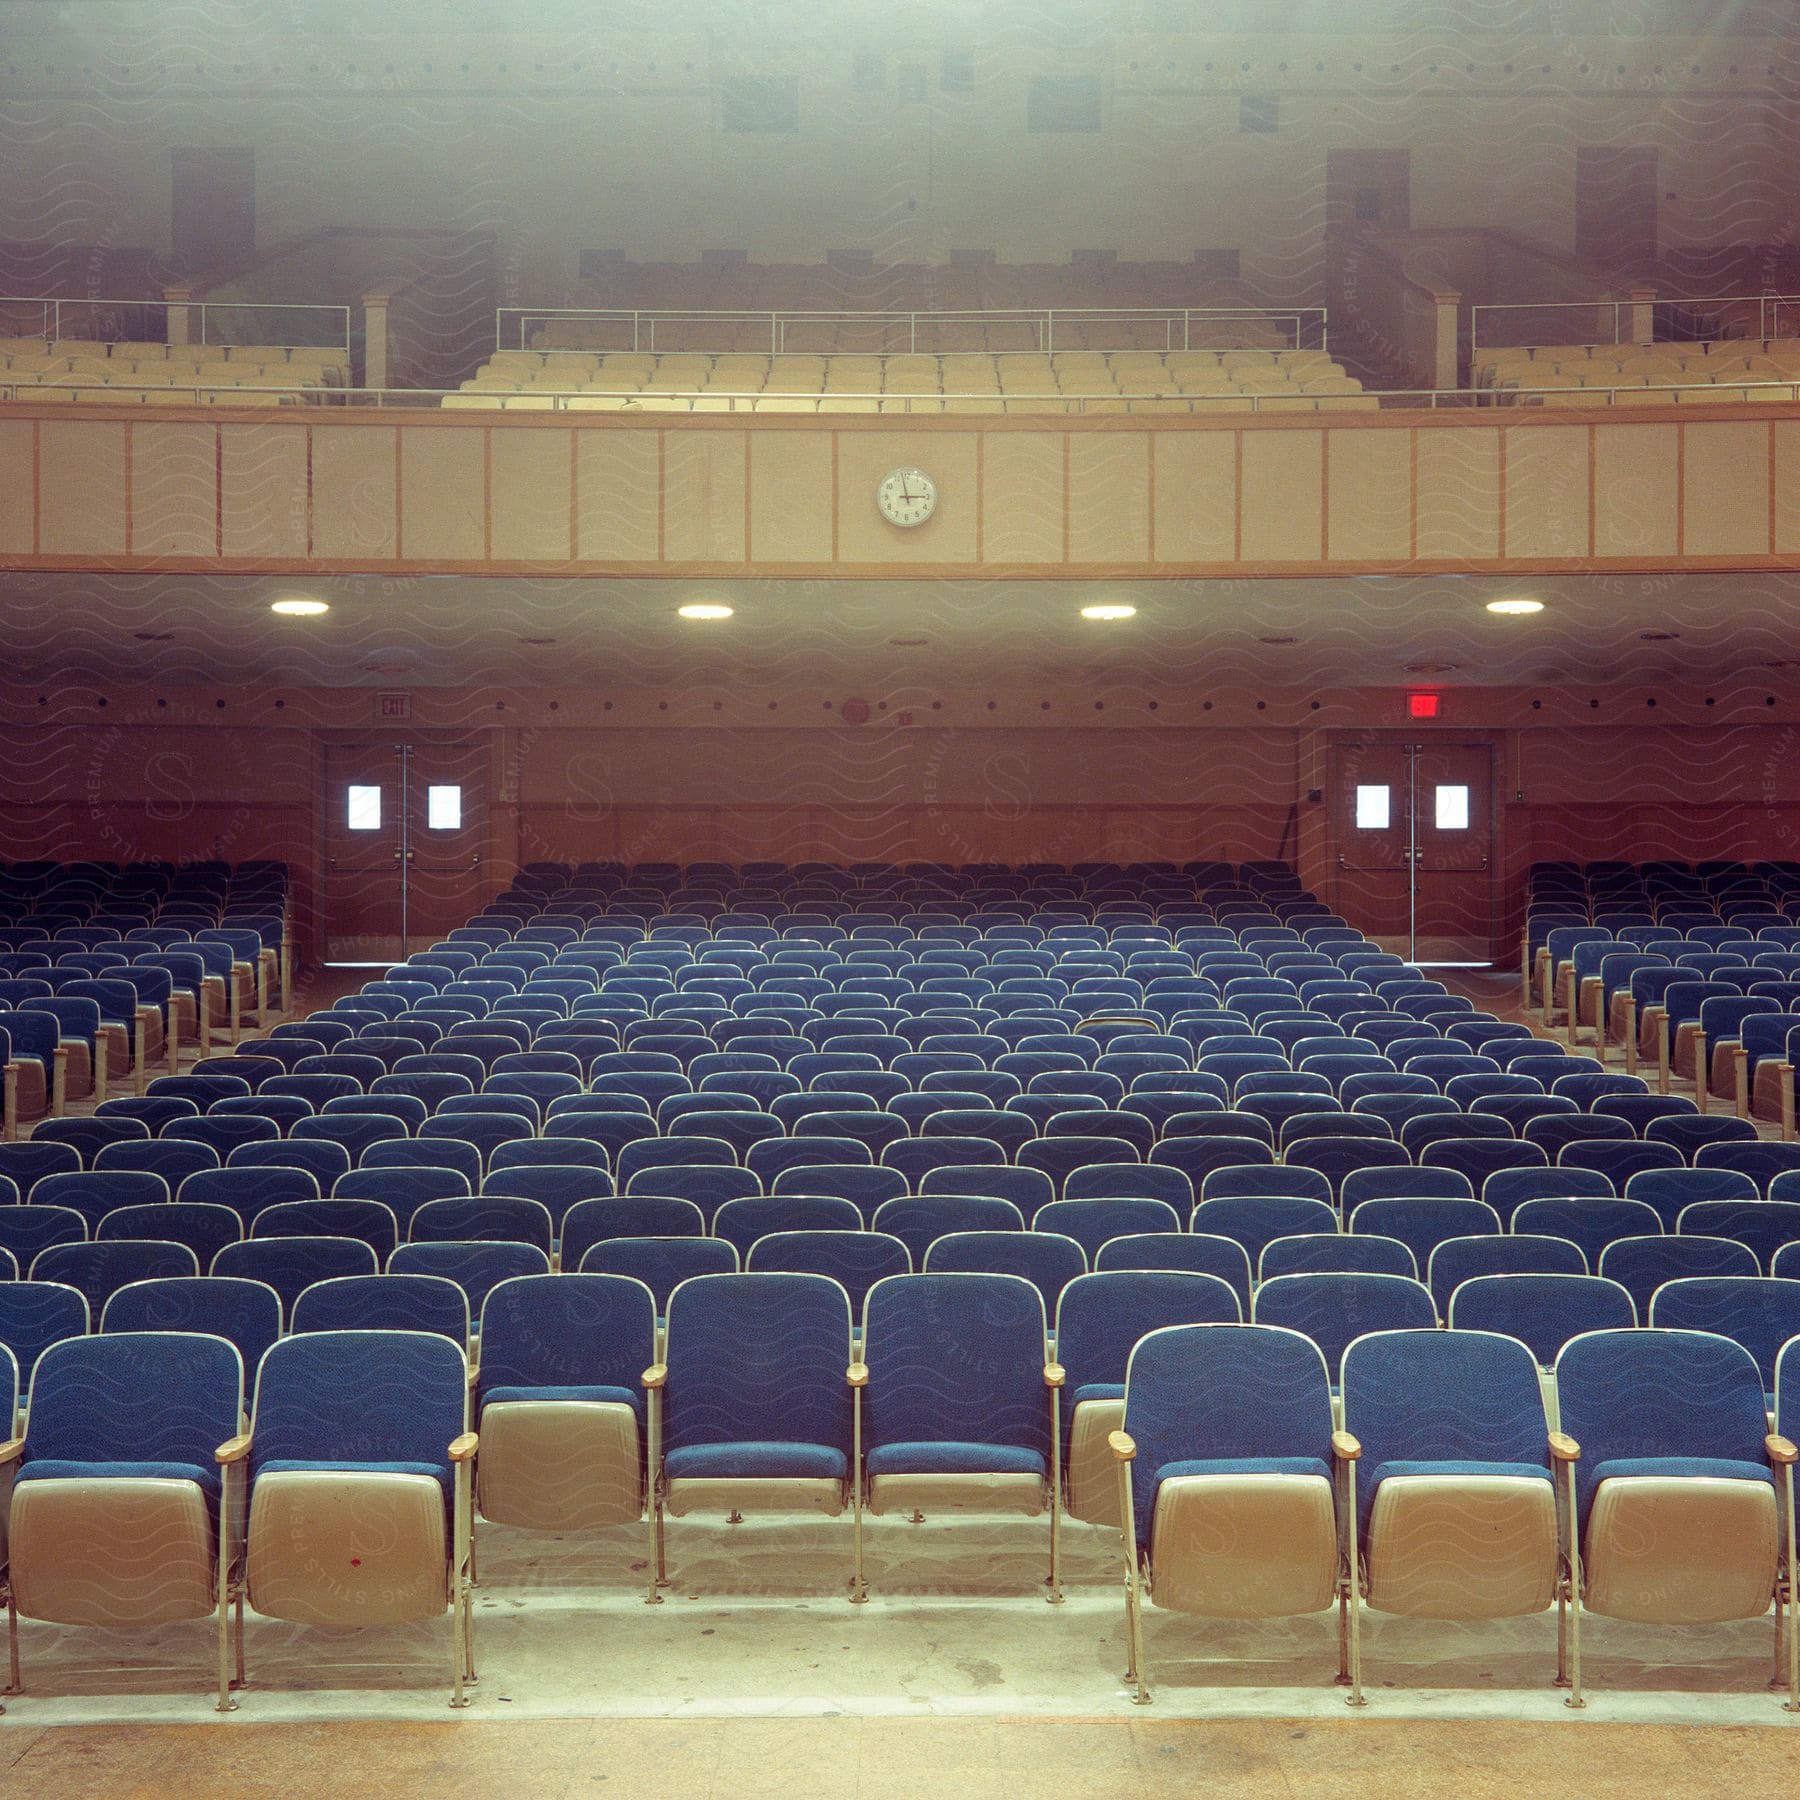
(908, 643)
(1658, 637)
(1276, 640)
(704, 609)
(1519, 607)
(540, 642)
(1108, 612)
(154, 637)
(1430, 668)
(299, 608)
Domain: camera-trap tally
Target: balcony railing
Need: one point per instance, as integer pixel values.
(1039, 330)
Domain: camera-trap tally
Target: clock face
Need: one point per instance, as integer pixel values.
(906, 497)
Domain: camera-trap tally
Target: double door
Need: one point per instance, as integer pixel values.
(1413, 834)
(405, 844)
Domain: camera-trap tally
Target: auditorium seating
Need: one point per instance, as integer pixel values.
(124, 374)
(117, 1460)
(107, 971)
(1688, 968)
(1729, 369)
(1090, 381)
(632, 1121)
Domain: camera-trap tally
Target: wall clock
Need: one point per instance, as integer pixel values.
(906, 497)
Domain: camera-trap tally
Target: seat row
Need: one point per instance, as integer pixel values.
(1665, 364)
(316, 1265)
(1429, 1484)
(1722, 1017)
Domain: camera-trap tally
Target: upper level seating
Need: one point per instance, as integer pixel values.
(125, 374)
(1233, 380)
(1700, 373)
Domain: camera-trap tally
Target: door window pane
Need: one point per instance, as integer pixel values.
(1372, 808)
(362, 810)
(1453, 809)
(443, 808)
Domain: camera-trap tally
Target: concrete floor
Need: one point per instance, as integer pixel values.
(756, 1626)
(902, 1759)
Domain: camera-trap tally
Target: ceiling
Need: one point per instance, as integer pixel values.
(457, 631)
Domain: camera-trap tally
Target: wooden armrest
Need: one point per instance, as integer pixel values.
(1564, 1448)
(1345, 1447)
(858, 1375)
(462, 1449)
(233, 1449)
(11, 1450)
(655, 1375)
(1054, 1375)
(1122, 1445)
(1781, 1450)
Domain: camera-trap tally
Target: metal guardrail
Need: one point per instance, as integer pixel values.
(1510, 325)
(635, 329)
(210, 322)
(901, 405)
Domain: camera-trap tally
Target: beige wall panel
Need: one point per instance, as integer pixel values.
(1283, 495)
(81, 495)
(1109, 498)
(1636, 490)
(530, 476)
(790, 497)
(1547, 491)
(174, 490)
(1725, 490)
(864, 536)
(18, 479)
(353, 490)
(263, 490)
(617, 489)
(1370, 495)
(443, 478)
(1196, 496)
(1459, 493)
(1787, 487)
(1022, 485)
(703, 498)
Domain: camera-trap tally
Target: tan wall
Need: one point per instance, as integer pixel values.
(1380, 492)
(579, 132)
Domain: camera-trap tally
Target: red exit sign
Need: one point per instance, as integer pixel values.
(1421, 706)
